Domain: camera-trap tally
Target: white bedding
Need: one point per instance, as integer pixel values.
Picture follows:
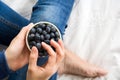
(93, 33)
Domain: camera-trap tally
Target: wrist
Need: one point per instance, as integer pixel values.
(10, 61)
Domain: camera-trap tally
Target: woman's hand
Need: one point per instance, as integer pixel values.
(17, 53)
(46, 71)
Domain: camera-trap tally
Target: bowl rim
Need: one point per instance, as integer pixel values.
(34, 25)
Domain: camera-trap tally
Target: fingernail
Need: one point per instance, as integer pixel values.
(33, 49)
(43, 43)
(31, 24)
(52, 40)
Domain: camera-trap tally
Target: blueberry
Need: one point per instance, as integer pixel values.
(32, 43)
(33, 30)
(56, 34)
(52, 35)
(47, 41)
(42, 37)
(56, 39)
(31, 37)
(38, 45)
(47, 29)
(39, 30)
(42, 26)
(53, 29)
(37, 37)
(47, 36)
(44, 32)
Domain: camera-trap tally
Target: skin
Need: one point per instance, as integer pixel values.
(46, 71)
(72, 64)
(17, 55)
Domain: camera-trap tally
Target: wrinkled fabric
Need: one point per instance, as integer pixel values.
(93, 34)
(94, 27)
(54, 11)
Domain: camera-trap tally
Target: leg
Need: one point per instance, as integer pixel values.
(54, 11)
(76, 66)
(10, 24)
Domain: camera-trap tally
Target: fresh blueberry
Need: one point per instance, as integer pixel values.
(47, 36)
(44, 32)
(42, 25)
(56, 34)
(56, 39)
(33, 30)
(38, 45)
(52, 35)
(39, 30)
(47, 29)
(47, 41)
(31, 37)
(37, 37)
(42, 37)
(53, 29)
(32, 43)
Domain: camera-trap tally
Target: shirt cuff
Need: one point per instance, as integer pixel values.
(4, 69)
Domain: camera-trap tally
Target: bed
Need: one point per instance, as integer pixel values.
(93, 33)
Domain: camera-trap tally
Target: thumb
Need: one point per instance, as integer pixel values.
(33, 57)
(24, 30)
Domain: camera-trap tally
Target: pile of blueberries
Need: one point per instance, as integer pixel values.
(42, 32)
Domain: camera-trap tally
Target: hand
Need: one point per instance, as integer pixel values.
(17, 53)
(46, 71)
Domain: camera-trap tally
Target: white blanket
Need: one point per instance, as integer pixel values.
(93, 33)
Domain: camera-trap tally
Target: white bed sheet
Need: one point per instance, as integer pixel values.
(93, 33)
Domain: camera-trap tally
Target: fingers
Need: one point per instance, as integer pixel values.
(54, 57)
(61, 44)
(52, 54)
(59, 49)
(33, 57)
